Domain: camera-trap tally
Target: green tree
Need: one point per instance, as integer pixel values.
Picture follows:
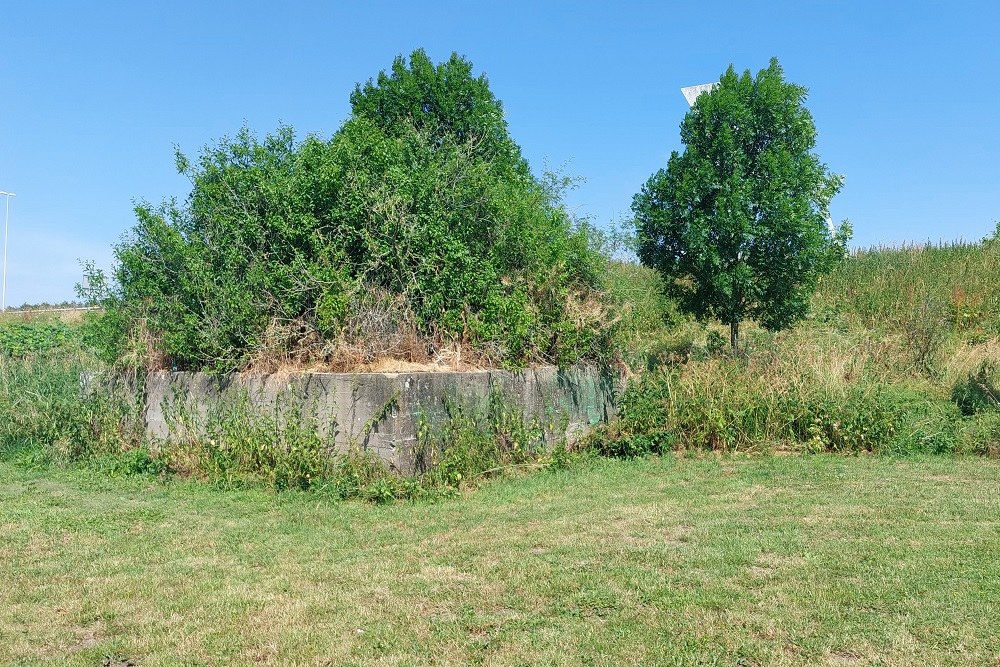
(736, 223)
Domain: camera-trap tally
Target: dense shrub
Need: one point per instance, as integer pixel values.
(979, 391)
(421, 199)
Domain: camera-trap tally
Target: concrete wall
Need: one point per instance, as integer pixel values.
(381, 411)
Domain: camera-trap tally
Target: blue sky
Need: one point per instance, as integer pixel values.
(93, 97)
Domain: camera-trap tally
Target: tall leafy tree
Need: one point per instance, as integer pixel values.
(737, 222)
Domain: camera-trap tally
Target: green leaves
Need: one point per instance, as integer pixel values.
(19, 339)
(420, 204)
(737, 222)
(445, 101)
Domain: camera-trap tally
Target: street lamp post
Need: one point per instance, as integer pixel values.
(6, 220)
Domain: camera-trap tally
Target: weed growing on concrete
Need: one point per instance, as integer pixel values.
(235, 443)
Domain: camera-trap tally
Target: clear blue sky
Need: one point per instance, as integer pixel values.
(93, 96)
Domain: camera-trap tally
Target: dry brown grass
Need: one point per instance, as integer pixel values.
(297, 346)
(966, 358)
(64, 315)
(380, 334)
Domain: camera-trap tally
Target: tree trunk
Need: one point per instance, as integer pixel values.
(734, 336)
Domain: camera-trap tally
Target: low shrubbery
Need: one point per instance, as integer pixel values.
(832, 384)
(236, 444)
(733, 405)
(54, 406)
(980, 390)
(19, 339)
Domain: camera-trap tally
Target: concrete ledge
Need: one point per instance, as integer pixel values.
(381, 411)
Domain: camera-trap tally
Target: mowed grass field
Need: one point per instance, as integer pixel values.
(813, 560)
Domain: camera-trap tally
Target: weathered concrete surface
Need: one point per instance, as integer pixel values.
(381, 412)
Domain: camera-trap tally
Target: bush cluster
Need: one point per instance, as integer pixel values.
(980, 391)
(21, 339)
(419, 215)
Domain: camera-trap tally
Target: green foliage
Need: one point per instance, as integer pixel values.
(980, 391)
(242, 446)
(140, 461)
(889, 419)
(19, 339)
(900, 356)
(934, 290)
(445, 101)
(714, 342)
(421, 196)
(474, 440)
(981, 435)
(728, 405)
(647, 329)
(237, 444)
(47, 408)
(643, 425)
(736, 223)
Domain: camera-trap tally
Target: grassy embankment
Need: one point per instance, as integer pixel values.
(901, 354)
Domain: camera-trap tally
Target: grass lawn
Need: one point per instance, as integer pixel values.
(819, 560)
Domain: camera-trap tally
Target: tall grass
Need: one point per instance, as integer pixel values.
(58, 406)
(897, 288)
(648, 328)
(48, 411)
(836, 399)
(901, 354)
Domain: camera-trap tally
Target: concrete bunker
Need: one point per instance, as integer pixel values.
(381, 412)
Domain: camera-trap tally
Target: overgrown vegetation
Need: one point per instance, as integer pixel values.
(19, 339)
(237, 445)
(53, 407)
(57, 409)
(900, 356)
(416, 232)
